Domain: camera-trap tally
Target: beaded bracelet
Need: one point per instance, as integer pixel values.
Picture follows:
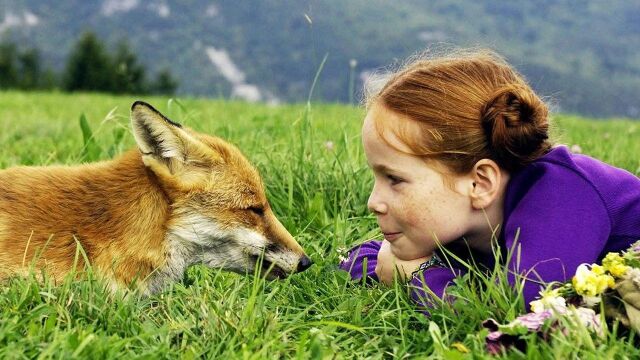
(434, 261)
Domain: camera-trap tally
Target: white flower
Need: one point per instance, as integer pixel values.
(328, 145)
(550, 300)
(342, 254)
(591, 301)
(588, 318)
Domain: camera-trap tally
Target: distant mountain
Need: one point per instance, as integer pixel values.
(585, 55)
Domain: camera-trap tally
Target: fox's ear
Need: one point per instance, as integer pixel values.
(155, 134)
(169, 150)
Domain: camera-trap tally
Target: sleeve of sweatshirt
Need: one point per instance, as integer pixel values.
(361, 261)
(559, 222)
(432, 281)
(423, 286)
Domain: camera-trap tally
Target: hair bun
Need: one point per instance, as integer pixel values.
(515, 124)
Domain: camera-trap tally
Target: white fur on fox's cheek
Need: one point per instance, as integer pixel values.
(250, 239)
(220, 247)
(199, 230)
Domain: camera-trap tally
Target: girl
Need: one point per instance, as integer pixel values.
(460, 153)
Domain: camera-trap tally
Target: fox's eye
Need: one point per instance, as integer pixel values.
(258, 210)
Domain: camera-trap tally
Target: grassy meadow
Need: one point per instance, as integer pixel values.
(316, 177)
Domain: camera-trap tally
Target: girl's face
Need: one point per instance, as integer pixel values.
(414, 206)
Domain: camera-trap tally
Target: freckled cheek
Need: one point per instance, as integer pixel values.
(415, 215)
(427, 214)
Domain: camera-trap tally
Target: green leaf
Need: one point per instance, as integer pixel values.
(118, 136)
(91, 150)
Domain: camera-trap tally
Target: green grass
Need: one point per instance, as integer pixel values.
(319, 193)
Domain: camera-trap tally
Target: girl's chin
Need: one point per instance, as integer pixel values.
(405, 254)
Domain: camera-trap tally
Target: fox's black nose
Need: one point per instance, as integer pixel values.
(304, 263)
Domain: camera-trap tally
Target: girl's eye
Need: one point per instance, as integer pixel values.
(394, 180)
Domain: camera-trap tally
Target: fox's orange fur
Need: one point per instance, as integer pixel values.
(181, 198)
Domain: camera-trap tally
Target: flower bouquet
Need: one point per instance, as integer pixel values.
(610, 291)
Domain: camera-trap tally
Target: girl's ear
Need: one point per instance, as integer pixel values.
(487, 184)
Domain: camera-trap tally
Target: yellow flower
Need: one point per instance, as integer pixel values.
(591, 282)
(597, 269)
(460, 347)
(612, 257)
(615, 265)
(618, 270)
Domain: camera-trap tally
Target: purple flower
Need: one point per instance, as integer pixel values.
(534, 321)
(497, 341)
(505, 336)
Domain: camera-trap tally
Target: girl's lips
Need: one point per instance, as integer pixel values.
(391, 236)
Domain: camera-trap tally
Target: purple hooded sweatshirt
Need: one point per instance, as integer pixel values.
(560, 211)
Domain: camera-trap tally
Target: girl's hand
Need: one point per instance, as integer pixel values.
(387, 264)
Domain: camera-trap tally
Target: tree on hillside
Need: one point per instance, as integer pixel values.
(89, 67)
(164, 84)
(30, 69)
(23, 69)
(8, 70)
(129, 74)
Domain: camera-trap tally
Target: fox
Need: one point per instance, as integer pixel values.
(177, 199)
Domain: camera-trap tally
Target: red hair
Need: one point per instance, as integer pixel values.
(464, 108)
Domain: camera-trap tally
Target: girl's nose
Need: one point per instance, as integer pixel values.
(375, 204)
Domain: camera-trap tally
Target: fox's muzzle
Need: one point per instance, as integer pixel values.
(304, 263)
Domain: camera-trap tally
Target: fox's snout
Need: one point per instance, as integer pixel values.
(282, 255)
(283, 244)
(304, 263)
